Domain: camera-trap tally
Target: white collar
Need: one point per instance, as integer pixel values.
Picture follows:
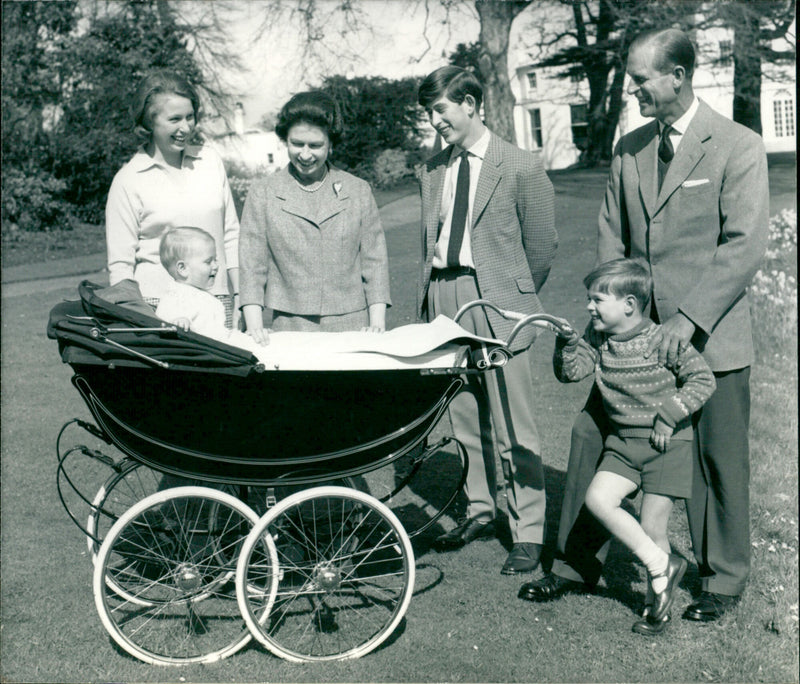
(141, 161)
(683, 122)
(478, 148)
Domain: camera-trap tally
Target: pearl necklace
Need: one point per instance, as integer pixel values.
(313, 187)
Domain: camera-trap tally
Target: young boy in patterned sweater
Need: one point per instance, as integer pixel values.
(650, 409)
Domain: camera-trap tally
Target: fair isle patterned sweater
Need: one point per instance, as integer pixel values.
(634, 389)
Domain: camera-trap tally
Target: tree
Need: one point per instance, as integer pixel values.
(599, 37)
(755, 25)
(69, 71)
(326, 27)
(379, 114)
(601, 33)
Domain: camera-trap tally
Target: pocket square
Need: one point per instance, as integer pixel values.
(694, 183)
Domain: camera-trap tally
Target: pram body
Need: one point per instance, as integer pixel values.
(300, 571)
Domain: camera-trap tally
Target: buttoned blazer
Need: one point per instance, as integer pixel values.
(328, 260)
(513, 235)
(704, 234)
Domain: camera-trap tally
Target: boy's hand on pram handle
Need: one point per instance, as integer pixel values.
(565, 331)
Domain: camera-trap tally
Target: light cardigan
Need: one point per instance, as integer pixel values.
(634, 389)
(320, 257)
(146, 199)
(205, 313)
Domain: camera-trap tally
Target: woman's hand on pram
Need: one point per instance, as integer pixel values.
(182, 323)
(259, 335)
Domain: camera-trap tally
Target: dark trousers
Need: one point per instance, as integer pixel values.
(718, 511)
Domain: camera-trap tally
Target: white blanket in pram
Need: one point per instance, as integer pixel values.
(441, 343)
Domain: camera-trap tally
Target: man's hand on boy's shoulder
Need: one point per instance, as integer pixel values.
(673, 336)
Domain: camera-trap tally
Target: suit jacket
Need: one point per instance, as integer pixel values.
(513, 235)
(704, 234)
(316, 262)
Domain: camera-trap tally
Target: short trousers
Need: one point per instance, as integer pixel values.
(288, 322)
(634, 458)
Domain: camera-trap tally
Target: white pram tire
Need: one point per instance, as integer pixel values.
(162, 578)
(345, 575)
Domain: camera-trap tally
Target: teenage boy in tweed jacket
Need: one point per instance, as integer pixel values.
(649, 408)
(488, 231)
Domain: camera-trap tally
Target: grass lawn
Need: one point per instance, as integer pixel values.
(465, 622)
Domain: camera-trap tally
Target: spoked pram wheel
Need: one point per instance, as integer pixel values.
(132, 483)
(163, 579)
(345, 575)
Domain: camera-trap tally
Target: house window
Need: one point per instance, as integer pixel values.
(531, 75)
(580, 125)
(536, 126)
(725, 52)
(575, 77)
(783, 109)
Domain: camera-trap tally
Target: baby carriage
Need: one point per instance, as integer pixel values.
(236, 516)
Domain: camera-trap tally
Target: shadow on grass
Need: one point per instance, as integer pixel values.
(623, 578)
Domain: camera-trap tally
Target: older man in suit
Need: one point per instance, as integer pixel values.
(688, 193)
(488, 231)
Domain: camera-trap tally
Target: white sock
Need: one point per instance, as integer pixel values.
(656, 560)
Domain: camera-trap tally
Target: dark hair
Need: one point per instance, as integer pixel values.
(159, 83)
(454, 82)
(673, 48)
(313, 107)
(622, 277)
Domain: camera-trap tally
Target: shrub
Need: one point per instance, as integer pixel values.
(773, 292)
(31, 201)
(240, 177)
(390, 167)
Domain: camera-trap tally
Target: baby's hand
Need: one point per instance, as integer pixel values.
(182, 323)
(661, 435)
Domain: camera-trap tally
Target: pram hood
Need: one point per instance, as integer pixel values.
(80, 328)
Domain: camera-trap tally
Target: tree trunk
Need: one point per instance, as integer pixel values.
(747, 70)
(496, 19)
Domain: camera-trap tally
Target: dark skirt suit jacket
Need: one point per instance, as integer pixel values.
(328, 261)
(513, 235)
(703, 234)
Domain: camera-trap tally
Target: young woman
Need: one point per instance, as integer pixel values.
(170, 181)
(312, 247)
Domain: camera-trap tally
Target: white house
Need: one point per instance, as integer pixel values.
(256, 150)
(551, 113)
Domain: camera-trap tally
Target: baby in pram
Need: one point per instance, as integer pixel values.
(190, 256)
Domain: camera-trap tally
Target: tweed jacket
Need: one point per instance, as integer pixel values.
(513, 231)
(331, 263)
(703, 235)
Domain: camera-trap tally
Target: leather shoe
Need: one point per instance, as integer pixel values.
(662, 600)
(650, 627)
(550, 587)
(466, 531)
(710, 607)
(523, 557)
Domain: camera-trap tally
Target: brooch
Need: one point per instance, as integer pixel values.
(337, 186)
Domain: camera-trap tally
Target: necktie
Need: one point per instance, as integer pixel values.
(460, 206)
(665, 153)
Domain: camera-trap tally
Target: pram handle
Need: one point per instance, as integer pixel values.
(541, 320)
